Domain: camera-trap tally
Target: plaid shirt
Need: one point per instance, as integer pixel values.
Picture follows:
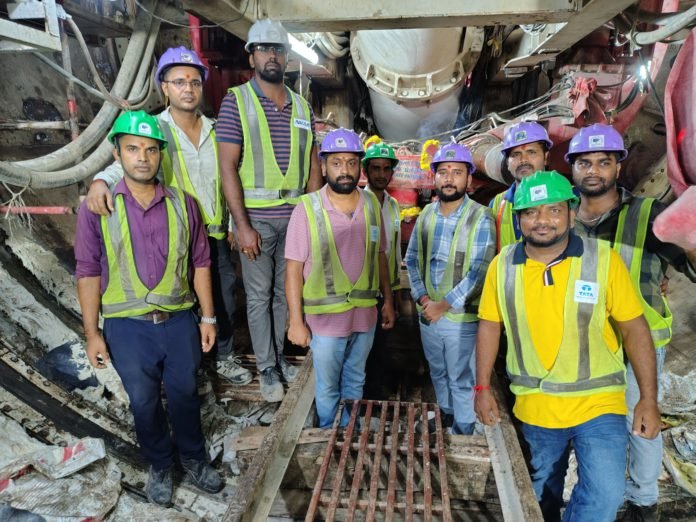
(483, 251)
(657, 256)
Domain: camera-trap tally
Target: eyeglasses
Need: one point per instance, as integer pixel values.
(180, 83)
(267, 48)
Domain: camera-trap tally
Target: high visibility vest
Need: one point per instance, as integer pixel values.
(176, 175)
(328, 290)
(460, 257)
(126, 295)
(585, 364)
(629, 243)
(263, 183)
(394, 217)
(504, 222)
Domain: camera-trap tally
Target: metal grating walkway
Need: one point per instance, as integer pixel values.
(393, 470)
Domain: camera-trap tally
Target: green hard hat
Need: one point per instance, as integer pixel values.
(379, 150)
(138, 123)
(543, 188)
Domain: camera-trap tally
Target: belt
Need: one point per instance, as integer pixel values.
(155, 317)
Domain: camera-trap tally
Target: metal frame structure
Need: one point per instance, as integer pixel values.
(15, 37)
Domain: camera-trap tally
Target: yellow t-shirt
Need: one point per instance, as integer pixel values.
(545, 316)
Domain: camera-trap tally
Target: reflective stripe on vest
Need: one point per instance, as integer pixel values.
(327, 288)
(460, 253)
(263, 183)
(629, 243)
(126, 295)
(504, 223)
(584, 363)
(392, 261)
(176, 175)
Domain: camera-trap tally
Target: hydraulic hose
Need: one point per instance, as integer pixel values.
(676, 23)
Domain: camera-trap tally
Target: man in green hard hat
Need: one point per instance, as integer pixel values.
(143, 267)
(556, 294)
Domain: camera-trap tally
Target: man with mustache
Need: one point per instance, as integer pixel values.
(611, 213)
(267, 156)
(190, 164)
(335, 269)
(561, 300)
(447, 257)
(526, 148)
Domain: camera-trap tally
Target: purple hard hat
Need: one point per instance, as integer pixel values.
(453, 152)
(179, 56)
(341, 140)
(598, 137)
(524, 132)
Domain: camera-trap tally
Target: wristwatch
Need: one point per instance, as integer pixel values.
(208, 320)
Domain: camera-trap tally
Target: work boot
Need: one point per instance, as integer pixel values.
(287, 371)
(159, 486)
(203, 475)
(636, 513)
(231, 370)
(271, 388)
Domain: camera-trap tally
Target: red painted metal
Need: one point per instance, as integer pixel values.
(13, 209)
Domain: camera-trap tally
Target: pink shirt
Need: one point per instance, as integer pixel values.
(349, 236)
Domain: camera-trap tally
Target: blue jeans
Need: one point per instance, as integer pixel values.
(145, 355)
(449, 349)
(339, 367)
(644, 455)
(600, 450)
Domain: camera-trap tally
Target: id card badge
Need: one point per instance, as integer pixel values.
(374, 233)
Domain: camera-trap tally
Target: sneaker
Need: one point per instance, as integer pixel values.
(636, 513)
(159, 487)
(287, 371)
(231, 370)
(271, 388)
(203, 475)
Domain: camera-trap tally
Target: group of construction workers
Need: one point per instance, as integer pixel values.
(577, 280)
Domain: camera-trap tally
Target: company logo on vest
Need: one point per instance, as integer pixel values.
(586, 292)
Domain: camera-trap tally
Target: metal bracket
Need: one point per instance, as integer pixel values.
(16, 37)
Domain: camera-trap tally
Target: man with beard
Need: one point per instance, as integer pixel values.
(560, 299)
(267, 159)
(613, 214)
(336, 266)
(190, 164)
(447, 257)
(378, 166)
(134, 266)
(526, 148)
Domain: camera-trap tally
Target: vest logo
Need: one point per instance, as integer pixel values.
(450, 154)
(186, 58)
(302, 124)
(144, 128)
(596, 142)
(340, 142)
(586, 292)
(520, 136)
(374, 233)
(538, 193)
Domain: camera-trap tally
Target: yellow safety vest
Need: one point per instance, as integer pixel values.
(263, 183)
(394, 215)
(629, 243)
(504, 224)
(328, 290)
(585, 364)
(126, 295)
(176, 175)
(460, 254)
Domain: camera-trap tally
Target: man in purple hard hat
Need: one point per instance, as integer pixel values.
(447, 257)
(268, 160)
(336, 268)
(191, 165)
(610, 212)
(526, 148)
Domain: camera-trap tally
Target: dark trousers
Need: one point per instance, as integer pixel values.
(224, 295)
(146, 355)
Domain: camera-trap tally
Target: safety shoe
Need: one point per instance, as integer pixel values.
(287, 371)
(203, 475)
(231, 370)
(636, 513)
(159, 486)
(271, 388)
